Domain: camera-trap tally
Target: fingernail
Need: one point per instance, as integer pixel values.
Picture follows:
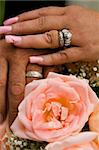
(34, 59)
(11, 21)
(1, 118)
(12, 39)
(5, 29)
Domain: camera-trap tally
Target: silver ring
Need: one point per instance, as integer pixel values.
(61, 39)
(34, 74)
(65, 37)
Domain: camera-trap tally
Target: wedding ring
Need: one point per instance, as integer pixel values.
(61, 39)
(34, 74)
(65, 38)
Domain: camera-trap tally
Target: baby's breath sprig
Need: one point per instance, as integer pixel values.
(15, 143)
(89, 71)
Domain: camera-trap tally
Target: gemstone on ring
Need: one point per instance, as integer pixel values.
(61, 39)
(34, 74)
(65, 38)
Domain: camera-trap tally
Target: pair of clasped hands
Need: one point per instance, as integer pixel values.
(29, 42)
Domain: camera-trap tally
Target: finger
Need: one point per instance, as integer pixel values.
(56, 69)
(36, 14)
(3, 84)
(33, 67)
(68, 55)
(16, 87)
(46, 40)
(39, 25)
(40, 41)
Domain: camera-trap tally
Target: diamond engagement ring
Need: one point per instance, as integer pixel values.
(65, 38)
(34, 74)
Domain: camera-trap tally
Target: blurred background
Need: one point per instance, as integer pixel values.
(93, 4)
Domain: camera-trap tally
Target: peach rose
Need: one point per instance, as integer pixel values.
(54, 108)
(81, 141)
(94, 122)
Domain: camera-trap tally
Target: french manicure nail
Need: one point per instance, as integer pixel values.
(34, 59)
(12, 39)
(5, 29)
(1, 118)
(11, 21)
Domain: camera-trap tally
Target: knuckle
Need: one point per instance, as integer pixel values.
(41, 22)
(2, 83)
(64, 55)
(20, 16)
(17, 89)
(17, 28)
(52, 60)
(52, 39)
(48, 38)
(43, 11)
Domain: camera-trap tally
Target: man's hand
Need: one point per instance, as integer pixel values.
(12, 81)
(13, 67)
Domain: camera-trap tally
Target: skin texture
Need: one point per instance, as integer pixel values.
(13, 66)
(82, 23)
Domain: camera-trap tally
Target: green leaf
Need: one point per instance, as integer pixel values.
(2, 11)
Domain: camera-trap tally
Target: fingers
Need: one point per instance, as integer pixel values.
(46, 40)
(16, 87)
(68, 55)
(35, 14)
(39, 25)
(33, 67)
(3, 84)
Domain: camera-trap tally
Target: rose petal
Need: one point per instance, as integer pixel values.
(80, 138)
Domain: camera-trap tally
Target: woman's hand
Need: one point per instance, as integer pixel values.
(82, 23)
